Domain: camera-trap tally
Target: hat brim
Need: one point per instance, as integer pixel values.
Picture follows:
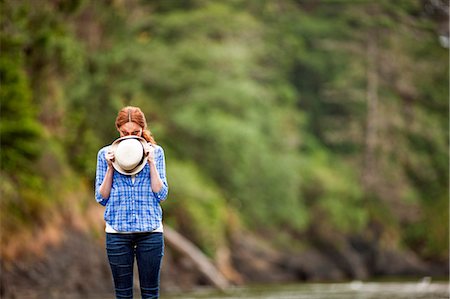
(141, 164)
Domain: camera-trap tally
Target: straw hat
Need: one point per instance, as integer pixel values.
(129, 156)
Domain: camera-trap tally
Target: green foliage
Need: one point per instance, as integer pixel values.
(328, 54)
(261, 106)
(332, 191)
(429, 236)
(226, 118)
(19, 131)
(32, 44)
(20, 136)
(196, 207)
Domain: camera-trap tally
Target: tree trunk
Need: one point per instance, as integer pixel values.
(369, 167)
(201, 262)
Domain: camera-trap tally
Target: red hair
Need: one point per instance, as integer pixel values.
(134, 114)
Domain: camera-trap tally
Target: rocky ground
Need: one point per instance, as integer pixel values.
(77, 265)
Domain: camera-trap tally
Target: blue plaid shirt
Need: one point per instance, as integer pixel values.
(132, 207)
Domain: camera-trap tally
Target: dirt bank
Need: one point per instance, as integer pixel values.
(78, 265)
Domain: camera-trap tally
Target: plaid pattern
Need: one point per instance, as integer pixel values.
(132, 207)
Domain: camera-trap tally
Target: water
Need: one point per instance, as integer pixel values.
(353, 290)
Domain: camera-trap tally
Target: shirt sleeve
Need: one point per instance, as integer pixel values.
(102, 166)
(161, 167)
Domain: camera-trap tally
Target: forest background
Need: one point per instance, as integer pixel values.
(295, 132)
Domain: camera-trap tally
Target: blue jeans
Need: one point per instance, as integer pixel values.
(148, 248)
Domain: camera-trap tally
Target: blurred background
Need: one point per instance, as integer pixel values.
(304, 140)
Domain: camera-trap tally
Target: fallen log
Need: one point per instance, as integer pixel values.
(182, 245)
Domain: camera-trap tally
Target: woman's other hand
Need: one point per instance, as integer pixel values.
(149, 151)
(109, 158)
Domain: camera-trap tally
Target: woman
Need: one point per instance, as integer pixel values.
(133, 215)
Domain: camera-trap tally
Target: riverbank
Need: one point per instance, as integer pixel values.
(77, 264)
(353, 289)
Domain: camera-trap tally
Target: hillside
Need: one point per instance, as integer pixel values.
(306, 139)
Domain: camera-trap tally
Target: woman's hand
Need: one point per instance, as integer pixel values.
(109, 158)
(105, 187)
(149, 151)
(155, 179)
